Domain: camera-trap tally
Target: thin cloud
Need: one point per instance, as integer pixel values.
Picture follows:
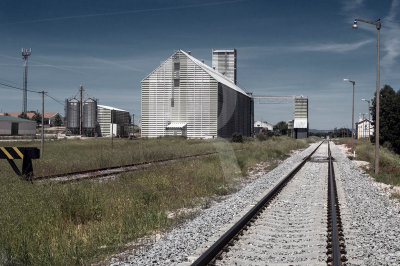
(251, 52)
(333, 47)
(391, 36)
(349, 5)
(123, 12)
(118, 64)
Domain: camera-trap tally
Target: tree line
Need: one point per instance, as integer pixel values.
(389, 118)
(37, 117)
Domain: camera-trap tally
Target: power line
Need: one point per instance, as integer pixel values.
(58, 101)
(17, 88)
(21, 89)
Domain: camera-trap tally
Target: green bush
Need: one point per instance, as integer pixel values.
(237, 137)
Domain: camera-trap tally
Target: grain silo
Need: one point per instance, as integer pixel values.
(89, 117)
(185, 97)
(72, 115)
(224, 62)
(300, 124)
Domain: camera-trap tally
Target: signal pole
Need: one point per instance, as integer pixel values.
(42, 139)
(25, 54)
(80, 110)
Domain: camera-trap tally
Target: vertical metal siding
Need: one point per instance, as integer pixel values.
(195, 99)
(235, 112)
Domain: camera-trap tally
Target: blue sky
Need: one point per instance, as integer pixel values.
(294, 47)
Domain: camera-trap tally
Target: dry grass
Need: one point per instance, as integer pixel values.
(389, 162)
(74, 224)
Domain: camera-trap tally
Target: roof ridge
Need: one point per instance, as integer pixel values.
(213, 72)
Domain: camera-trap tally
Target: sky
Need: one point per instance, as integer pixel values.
(284, 48)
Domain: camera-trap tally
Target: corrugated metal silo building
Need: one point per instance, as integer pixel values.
(184, 96)
(114, 120)
(300, 125)
(224, 62)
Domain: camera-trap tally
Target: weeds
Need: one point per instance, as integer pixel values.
(389, 162)
(77, 223)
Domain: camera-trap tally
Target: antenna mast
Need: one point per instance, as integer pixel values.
(25, 54)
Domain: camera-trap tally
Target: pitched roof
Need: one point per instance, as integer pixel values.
(31, 114)
(365, 120)
(111, 108)
(14, 119)
(215, 74)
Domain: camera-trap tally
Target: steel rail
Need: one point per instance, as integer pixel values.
(212, 252)
(98, 170)
(336, 246)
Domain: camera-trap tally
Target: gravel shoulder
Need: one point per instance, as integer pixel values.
(371, 220)
(187, 241)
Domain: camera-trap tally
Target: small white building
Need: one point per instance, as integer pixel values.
(262, 126)
(14, 126)
(113, 119)
(364, 128)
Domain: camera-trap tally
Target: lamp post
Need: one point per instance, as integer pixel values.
(369, 116)
(378, 28)
(352, 116)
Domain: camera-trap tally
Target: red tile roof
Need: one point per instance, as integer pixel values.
(31, 114)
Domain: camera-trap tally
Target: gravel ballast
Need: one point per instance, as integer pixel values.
(292, 229)
(371, 220)
(186, 242)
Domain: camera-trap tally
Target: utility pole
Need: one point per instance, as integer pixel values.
(112, 130)
(42, 139)
(80, 110)
(25, 54)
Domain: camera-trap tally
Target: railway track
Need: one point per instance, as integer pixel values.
(109, 171)
(290, 224)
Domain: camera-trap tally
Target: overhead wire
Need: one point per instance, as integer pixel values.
(58, 101)
(17, 88)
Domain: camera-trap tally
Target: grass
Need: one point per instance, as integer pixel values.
(395, 196)
(76, 224)
(75, 155)
(389, 162)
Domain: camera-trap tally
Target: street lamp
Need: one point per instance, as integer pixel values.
(352, 116)
(378, 28)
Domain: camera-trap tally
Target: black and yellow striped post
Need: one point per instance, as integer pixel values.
(24, 153)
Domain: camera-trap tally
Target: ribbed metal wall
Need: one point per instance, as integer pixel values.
(106, 115)
(72, 113)
(193, 100)
(235, 113)
(89, 117)
(300, 117)
(301, 107)
(224, 61)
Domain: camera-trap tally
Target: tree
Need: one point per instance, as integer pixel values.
(23, 115)
(389, 118)
(38, 118)
(57, 120)
(281, 127)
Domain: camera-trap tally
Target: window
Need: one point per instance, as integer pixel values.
(176, 82)
(177, 66)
